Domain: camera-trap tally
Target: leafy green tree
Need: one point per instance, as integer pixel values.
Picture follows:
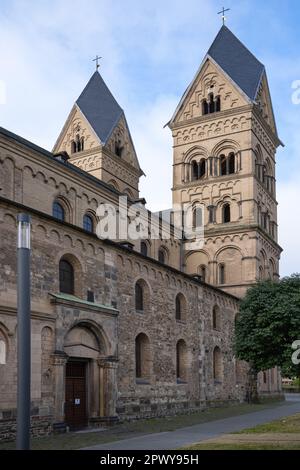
(267, 326)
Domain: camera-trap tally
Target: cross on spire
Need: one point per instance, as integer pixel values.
(97, 61)
(223, 14)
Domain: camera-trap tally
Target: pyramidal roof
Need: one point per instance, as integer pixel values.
(99, 107)
(237, 61)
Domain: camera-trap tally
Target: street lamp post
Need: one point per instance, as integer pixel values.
(24, 335)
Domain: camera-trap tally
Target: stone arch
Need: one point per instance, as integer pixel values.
(227, 146)
(197, 152)
(128, 193)
(231, 258)
(143, 357)
(180, 307)
(77, 272)
(66, 205)
(10, 219)
(141, 295)
(163, 254)
(86, 339)
(195, 259)
(216, 318)
(114, 184)
(92, 215)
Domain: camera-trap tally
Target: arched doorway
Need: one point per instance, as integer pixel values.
(82, 380)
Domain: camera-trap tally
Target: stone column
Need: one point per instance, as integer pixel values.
(237, 165)
(227, 165)
(217, 168)
(211, 166)
(59, 360)
(213, 272)
(107, 387)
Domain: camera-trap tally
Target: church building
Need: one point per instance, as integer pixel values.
(125, 329)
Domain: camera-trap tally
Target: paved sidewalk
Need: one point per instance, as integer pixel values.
(200, 432)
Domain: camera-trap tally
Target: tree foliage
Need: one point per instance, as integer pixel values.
(268, 324)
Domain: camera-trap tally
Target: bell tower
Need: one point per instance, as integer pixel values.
(97, 139)
(225, 141)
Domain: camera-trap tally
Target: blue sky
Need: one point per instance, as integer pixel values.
(151, 51)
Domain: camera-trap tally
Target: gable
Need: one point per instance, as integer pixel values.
(76, 124)
(264, 103)
(209, 79)
(120, 141)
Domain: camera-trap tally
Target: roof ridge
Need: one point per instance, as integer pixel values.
(225, 28)
(100, 107)
(237, 61)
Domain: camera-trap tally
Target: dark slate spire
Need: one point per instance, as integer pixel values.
(99, 107)
(237, 61)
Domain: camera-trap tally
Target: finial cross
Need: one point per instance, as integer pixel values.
(97, 61)
(223, 14)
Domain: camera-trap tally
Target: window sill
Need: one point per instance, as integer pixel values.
(140, 312)
(181, 382)
(180, 322)
(217, 382)
(142, 382)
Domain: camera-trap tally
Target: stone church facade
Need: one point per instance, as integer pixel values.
(140, 328)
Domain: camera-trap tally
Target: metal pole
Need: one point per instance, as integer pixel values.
(24, 335)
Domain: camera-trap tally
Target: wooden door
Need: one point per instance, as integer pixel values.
(75, 410)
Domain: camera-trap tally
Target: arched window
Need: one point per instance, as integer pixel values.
(261, 273)
(180, 306)
(226, 214)
(3, 349)
(202, 273)
(181, 361)
(73, 147)
(162, 256)
(82, 143)
(202, 168)
(144, 249)
(142, 357)
(217, 364)
(118, 148)
(216, 318)
(231, 163)
(194, 170)
(211, 103)
(204, 107)
(139, 297)
(223, 165)
(221, 274)
(66, 277)
(197, 218)
(88, 223)
(58, 211)
(78, 143)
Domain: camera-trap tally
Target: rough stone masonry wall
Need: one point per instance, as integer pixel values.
(112, 273)
(162, 395)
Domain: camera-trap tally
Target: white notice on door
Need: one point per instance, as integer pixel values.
(77, 401)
